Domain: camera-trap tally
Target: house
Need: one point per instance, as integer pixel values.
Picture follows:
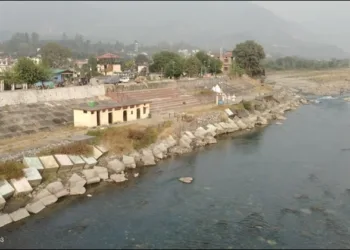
(226, 58)
(95, 114)
(80, 63)
(61, 75)
(107, 64)
(6, 63)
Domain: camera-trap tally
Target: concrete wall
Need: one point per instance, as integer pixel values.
(47, 95)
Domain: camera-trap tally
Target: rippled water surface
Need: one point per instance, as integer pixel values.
(283, 187)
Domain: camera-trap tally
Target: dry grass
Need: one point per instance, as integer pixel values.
(11, 170)
(77, 148)
(320, 76)
(125, 139)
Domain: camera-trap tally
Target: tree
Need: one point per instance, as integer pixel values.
(248, 56)
(92, 63)
(174, 68)
(28, 72)
(215, 66)
(192, 66)
(141, 59)
(162, 59)
(128, 65)
(54, 55)
(35, 39)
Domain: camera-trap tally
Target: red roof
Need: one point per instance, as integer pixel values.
(108, 56)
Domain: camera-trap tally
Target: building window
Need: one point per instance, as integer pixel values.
(144, 110)
(85, 111)
(92, 112)
(226, 60)
(132, 112)
(225, 68)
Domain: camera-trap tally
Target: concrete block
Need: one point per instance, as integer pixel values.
(96, 153)
(5, 219)
(33, 176)
(116, 166)
(91, 176)
(101, 172)
(118, 177)
(76, 181)
(6, 190)
(65, 164)
(78, 162)
(89, 161)
(19, 214)
(21, 186)
(33, 162)
(2, 203)
(41, 194)
(102, 149)
(76, 190)
(35, 207)
(56, 188)
(49, 163)
(48, 200)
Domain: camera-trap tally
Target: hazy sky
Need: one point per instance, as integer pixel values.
(305, 11)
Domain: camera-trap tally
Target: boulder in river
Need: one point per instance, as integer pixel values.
(56, 188)
(147, 157)
(116, 166)
(129, 162)
(35, 207)
(186, 180)
(118, 177)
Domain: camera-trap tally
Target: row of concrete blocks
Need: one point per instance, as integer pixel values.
(55, 190)
(36, 167)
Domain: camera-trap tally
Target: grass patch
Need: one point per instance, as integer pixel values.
(76, 148)
(205, 92)
(11, 170)
(125, 139)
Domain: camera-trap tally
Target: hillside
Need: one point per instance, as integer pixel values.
(209, 25)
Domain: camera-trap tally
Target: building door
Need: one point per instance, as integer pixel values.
(138, 113)
(125, 115)
(110, 117)
(98, 118)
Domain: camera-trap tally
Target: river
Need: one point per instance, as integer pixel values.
(281, 187)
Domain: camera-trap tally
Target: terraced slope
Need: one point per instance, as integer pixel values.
(16, 120)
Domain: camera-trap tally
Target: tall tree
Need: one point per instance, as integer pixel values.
(141, 59)
(161, 59)
(192, 66)
(28, 72)
(248, 56)
(55, 56)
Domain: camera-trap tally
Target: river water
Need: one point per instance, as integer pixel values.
(281, 187)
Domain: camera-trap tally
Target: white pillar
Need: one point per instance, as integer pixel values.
(12, 87)
(2, 86)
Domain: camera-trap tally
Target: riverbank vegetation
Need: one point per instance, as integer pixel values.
(297, 63)
(125, 139)
(11, 170)
(76, 148)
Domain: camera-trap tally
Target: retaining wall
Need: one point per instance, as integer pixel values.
(47, 95)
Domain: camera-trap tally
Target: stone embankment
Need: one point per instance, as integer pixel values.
(81, 171)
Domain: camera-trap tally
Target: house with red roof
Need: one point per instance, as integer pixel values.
(108, 64)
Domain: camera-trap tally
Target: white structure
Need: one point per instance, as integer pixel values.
(221, 96)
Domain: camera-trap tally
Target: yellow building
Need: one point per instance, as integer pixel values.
(108, 112)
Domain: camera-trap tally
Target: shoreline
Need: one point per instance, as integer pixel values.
(186, 142)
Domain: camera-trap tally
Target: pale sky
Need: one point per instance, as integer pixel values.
(301, 11)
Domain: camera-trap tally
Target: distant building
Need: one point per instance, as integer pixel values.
(6, 63)
(136, 46)
(107, 64)
(226, 58)
(35, 59)
(80, 63)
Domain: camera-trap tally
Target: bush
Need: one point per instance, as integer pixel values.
(247, 105)
(11, 170)
(150, 136)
